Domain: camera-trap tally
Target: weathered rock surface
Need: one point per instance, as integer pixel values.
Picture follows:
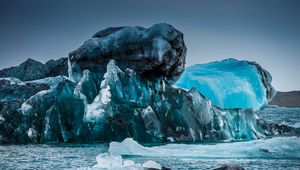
(57, 67)
(156, 52)
(267, 80)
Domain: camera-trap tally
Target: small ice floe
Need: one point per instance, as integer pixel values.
(109, 161)
(277, 147)
(152, 164)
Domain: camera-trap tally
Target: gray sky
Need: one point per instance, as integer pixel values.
(266, 31)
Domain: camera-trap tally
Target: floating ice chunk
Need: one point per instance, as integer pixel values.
(128, 147)
(115, 162)
(151, 164)
(106, 160)
(129, 163)
(277, 147)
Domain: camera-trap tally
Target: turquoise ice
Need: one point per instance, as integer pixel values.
(228, 83)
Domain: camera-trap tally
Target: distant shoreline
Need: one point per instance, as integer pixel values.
(286, 99)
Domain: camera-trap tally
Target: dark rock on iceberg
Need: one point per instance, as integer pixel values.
(33, 70)
(156, 52)
(267, 79)
(57, 67)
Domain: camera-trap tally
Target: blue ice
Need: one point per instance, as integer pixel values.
(229, 83)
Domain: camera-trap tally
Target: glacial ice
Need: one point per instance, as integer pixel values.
(126, 90)
(230, 83)
(106, 160)
(12, 80)
(151, 164)
(50, 81)
(125, 105)
(277, 147)
(116, 162)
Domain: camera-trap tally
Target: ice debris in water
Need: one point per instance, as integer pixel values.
(151, 164)
(106, 160)
(115, 162)
(230, 83)
(277, 147)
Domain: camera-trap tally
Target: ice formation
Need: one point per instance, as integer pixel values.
(277, 147)
(125, 105)
(230, 83)
(121, 86)
(116, 162)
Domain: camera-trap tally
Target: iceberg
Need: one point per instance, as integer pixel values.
(126, 105)
(121, 85)
(230, 83)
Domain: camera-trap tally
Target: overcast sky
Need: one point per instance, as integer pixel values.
(264, 31)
